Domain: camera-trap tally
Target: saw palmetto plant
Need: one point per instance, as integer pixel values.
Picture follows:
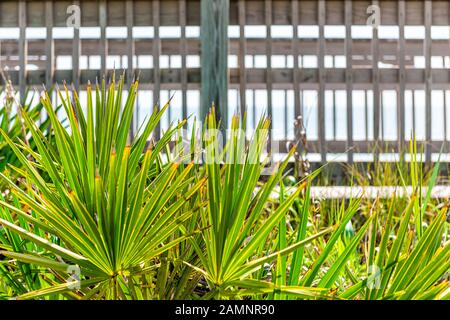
(109, 206)
(99, 214)
(240, 222)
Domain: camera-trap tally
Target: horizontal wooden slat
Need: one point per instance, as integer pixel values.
(281, 13)
(256, 78)
(376, 192)
(359, 146)
(361, 48)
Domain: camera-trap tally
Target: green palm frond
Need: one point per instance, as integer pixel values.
(100, 209)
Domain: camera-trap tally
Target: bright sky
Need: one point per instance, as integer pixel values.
(278, 31)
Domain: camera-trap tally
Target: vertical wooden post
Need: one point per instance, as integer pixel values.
(376, 86)
(49, 45)
(130, 42)
(214, 57)
(23, 50)
(241, 58)
(269, 85)
(428, 78)
(156, 54)
(349, 76)
(295, 53)
(76, 52)
(103, 42)
(402, 77)
(183, 52)
(322, 75)
(130, 55)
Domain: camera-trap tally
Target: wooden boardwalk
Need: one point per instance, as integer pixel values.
(374, 66)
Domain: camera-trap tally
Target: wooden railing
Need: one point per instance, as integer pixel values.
(379, 76)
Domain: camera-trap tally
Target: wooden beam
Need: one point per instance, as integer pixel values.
(401, 75)
(322, 76)
(214, 57)
(102, 9)
(76, 53)
(281, 12)
(428, 76)
(388, 48)
(376, 83)
(295, 53)
(183, 52)
(359, 146)
(49, 46)
(349, 76)
(130, 55)
(335, 78)
(130, 41)
(269, 75)
(241, 59)
(282, 78)
(23, 51)
(156, 45)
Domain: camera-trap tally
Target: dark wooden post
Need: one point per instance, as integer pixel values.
(214, 57)
(428, 16)
(23, 51)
